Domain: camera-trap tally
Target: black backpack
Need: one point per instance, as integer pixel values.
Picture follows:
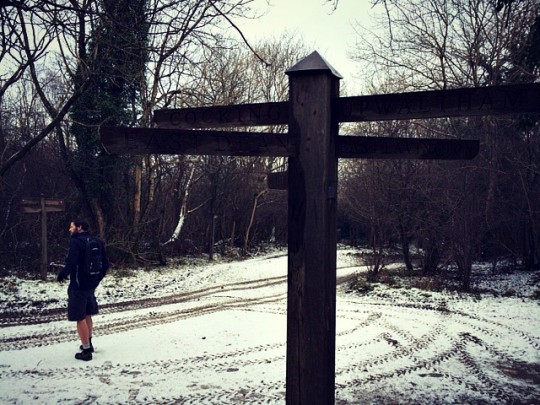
(93, 258)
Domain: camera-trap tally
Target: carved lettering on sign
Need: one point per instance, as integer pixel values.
(443, 103)
(223, 116)
(405, 148)
(121, 140)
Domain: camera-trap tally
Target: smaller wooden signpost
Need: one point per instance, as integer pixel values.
(42, 205)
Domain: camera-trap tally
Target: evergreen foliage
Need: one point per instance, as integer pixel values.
(117, 57)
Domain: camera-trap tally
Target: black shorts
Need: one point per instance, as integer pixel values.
(81, 303)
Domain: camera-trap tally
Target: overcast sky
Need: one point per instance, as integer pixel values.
(327, 31)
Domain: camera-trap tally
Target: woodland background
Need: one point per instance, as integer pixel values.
(71, 66)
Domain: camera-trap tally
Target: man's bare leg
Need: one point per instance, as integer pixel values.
(90, 324)
(82, 330)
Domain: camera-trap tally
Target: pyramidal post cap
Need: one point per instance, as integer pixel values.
(313, 62)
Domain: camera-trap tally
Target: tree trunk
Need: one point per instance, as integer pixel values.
(405, 248)
(137, 198)
(233, 236)
(99, 217)
(465, 271)
(251, 220)
(212, 239)
(183, 209)
(431, 259)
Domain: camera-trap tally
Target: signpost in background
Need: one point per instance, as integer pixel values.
(43, 206)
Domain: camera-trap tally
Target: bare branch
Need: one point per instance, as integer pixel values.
(241, 34)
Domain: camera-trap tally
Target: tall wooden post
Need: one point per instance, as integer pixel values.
(312, 185)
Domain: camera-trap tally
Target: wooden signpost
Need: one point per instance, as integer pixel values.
(313, 147)
(43, 206)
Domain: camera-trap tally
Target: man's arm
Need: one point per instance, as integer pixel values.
(71, 261)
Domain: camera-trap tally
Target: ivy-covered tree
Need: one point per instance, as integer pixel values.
(116, 55)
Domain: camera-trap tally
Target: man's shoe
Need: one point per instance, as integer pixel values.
(85, 355)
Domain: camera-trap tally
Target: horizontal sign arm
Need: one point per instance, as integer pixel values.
(33, 205)
(223, 116)
(476, 101)
(495, 100)
(137, 141)
(47, 201)
(405, 148)
(391, 148)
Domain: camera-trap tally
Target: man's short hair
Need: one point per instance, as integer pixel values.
(83, 224)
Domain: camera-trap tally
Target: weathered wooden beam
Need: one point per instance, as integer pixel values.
(406, 148)
(140, 141)
(223, 116)
(33, 205)
(494, 100)
(136, 141)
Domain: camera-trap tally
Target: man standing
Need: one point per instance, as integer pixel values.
(82, 303)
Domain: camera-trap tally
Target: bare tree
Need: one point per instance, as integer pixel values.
(28, 34)
(437, 45)
(232, 76)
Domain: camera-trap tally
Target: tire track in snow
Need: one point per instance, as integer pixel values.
(394, 351)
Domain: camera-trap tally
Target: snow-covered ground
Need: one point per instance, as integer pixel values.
(200, 333)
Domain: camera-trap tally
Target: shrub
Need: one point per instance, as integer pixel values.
(361, 285)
